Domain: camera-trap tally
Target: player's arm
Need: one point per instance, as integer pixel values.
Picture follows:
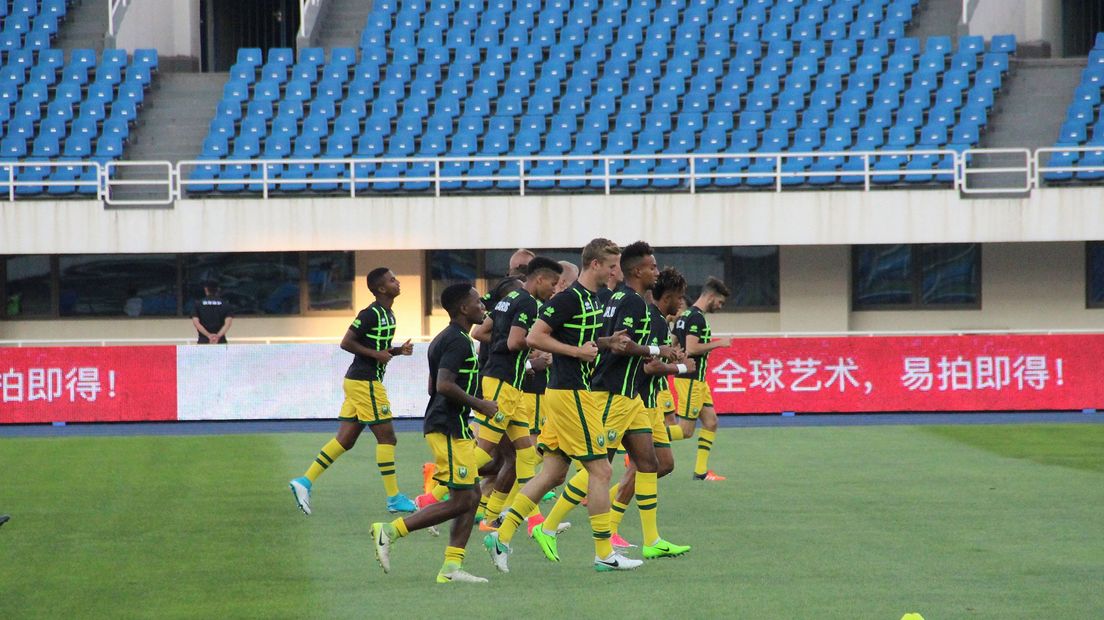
(516, 340)
(450, 389)
(482, 333)
(540, 337)
(349, 343)
(656, 366)
(406, 348)
(694, 345)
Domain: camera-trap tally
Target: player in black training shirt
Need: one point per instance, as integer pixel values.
(694, 398)
(615, 386)
(453, 394)
(663, 300)
(503, 378)
(568, 329)
(369, 339)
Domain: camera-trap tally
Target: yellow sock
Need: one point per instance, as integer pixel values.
(617, 512)
(439, 492)
(705, 444)
(453, 555)
(385, 460)
(674, 431)
(526, 463)
(400, 527)
(325, 458)
(510, 497)
(517, 512)
(600, 527)
(647, 498)
(573, 492)
(495, 504)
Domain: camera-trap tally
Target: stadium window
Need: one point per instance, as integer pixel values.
(912, 277)
(496, 262)
(28, 287)
(253, 283)
(751, 273)
(1094, 274)
(330, 280)
(117, 285)
(449, 267)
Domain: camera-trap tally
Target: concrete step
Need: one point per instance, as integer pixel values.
(936, 18)
(176, 116)
(84, 26)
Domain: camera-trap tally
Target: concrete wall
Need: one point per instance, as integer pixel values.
(666, 220)
(1025, 286)
(170, 26)
(1029, 20)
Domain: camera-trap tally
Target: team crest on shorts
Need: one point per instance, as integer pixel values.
(463, 471)
(668, 404)
(499, 417)
(697, 409)
(601, 441)
(612, 435)
(385, 409)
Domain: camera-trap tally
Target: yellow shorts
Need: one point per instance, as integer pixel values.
(665, 402)
(365, 402)
(455, 461)
(510, 419)
(660, 437)
(693, 395)
(573, 425)
(530, 409)
(622, 415)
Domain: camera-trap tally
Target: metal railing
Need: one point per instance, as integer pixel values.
(114, 7)
(687, 172)
(309, 11)
(162, 182)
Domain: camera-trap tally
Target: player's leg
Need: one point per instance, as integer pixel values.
(455, 468)
(347, 432)
(705, 446)
(525, 502)
(501, 486)
(689, 407)
(384, 432)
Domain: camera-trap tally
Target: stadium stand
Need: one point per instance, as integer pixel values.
(1082, 128)
(58, 115)
(504, 78)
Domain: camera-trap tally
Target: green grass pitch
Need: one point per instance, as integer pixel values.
(858, 522)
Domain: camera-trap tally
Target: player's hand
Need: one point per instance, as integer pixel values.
(407, 348)
(691, 365)
(668, 352)
(619, 341)
(540, 362)
(384, 356)
(487, 407)
(724, 343)
(588, 352)
(654, 366)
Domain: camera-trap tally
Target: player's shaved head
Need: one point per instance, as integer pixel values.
(518, 260)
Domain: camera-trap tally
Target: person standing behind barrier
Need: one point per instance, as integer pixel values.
(212, 315)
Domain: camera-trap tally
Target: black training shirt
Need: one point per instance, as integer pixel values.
(616, 373)
(693, 322)
(452, 349)
(516, 309)
(375, 329)
(575, 315)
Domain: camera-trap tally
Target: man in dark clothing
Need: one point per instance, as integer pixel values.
(212, 316)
